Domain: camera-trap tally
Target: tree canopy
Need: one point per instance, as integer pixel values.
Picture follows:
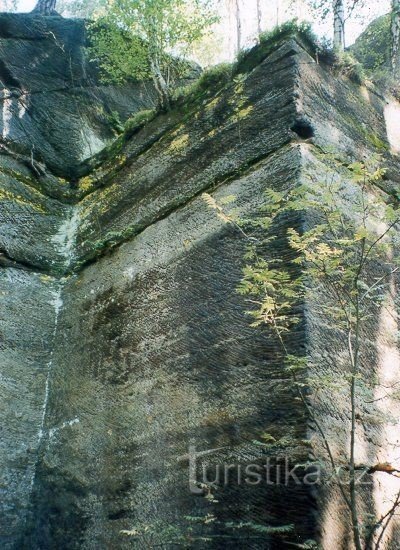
(147, 38)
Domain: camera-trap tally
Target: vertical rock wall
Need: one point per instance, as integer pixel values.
(27, 327)
(156, 356)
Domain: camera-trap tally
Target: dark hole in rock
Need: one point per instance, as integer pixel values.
(303, 128)
(6, 77)
(118, 515)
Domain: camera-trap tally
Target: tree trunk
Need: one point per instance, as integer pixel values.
(46, 7)
(161, 86)
(395, 32)
(338, 14)
(259, 17)
(238, 26)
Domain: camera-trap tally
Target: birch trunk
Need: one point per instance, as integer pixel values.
(238, 26)
(45, 7)
(161, 86)
(338, 13)
(395, 36)
(259, 17)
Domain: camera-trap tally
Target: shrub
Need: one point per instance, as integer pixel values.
(347, 65)
(290, 27)
(210, 81)
(216, 76)
(249, 59)
(137, 121)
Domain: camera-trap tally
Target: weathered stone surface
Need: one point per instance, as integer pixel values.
(230, 133)
(143, 348)
(377, 429)
(346, 118)
(27, 328)
(53, 105)
(32, 225)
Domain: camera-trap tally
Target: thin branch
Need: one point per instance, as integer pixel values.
(385, 520)
(392, 272)
(313, 417)
(380, 238)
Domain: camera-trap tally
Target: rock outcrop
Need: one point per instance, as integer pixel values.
(55, 108)
(125, 350)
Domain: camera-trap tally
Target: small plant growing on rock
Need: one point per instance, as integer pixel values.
(345, 64)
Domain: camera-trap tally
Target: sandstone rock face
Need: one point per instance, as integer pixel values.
(54, 106)
(125, 350)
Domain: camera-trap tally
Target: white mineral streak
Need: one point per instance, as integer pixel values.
(65, 239)
(57, 302)
(67, 424)
(6, 114)
(22, 107)
(91, 143)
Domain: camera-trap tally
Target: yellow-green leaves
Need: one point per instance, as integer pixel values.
(368, 172)
(212, 203)
(347, 233)
(274, 291)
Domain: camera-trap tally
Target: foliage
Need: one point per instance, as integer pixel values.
(293, 26)
(343, 63)
(210, 82)
(145, 39)
(372, 48)
(335, 251)
(151, 533)
(87, 9)
(263, 529)
(121, 56)
(378, 47)
(308, 545)
(137, 121)
(215, 76)
(340, 11)
(347, 65)
(189, 531)
(8, 5)
(324, 8)
(248, 59)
